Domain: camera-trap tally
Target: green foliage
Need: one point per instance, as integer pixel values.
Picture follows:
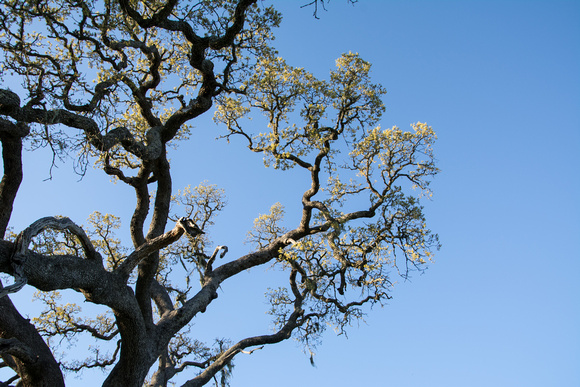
(333, 124)
(342, 106)
(201, 204)
(119, 82)
(137, 78)
(267, 227)
(103, 236)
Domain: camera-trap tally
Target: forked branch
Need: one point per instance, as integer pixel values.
(183, 225)
(25, 237)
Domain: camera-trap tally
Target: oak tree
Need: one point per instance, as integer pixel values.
(113, 84)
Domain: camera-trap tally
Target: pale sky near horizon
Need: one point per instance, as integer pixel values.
(499, 81)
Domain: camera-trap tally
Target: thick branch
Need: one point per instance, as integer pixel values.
(33, 360)
(161, 298)
(56, 272)
(148, 267)
(119, 136)
(156, 244)
(15, 348)
(157, 19)
(25, 237)
(11, 137)
(18, 257)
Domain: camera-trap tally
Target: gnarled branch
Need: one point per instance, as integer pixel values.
(14, 347)
(183, 225)
(25, 237)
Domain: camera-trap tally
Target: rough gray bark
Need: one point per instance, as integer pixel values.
(24, 349)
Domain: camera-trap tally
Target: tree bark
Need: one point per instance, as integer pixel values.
(11, 137)
(40, 371)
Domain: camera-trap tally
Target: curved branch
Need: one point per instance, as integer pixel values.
(19, 253)
(11, 137)
(9, 105)
(49, 222)
(9, 102)
(226, 357)
(27, 352)
(284, 333)
(14, 347)
(182, 226)
(237, 25)
(161, 298)
(157, 19)
(208, 266)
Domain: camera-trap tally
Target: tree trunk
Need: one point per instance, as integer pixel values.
(42, 370)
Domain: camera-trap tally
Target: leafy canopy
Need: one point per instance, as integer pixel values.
(114, 84)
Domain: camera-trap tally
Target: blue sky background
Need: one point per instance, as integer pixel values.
(499, 81)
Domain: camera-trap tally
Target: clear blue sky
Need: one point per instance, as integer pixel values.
(499, 81)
